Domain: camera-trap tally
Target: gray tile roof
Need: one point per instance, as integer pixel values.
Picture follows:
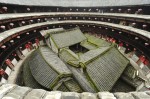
(88, 45)
(68, 37)
(49, 31)
(28, 79)
(67, 55)
(96, 41)
(54, 61)
(73, 86)
(81, 79)
(92, 54)
(102, 71)
(63, 88)
(130, 71)
(46, 68)
(41, 71)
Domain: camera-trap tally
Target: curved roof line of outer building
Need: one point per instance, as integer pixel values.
(27, 93)
(135, 31)
(77, 3)
(111, 15)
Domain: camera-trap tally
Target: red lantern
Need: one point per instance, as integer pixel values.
(142, 58)
(120, 44)
(2, 72)
(8, 62)
(146, 62)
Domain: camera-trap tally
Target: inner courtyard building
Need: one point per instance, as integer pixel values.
(74, 49)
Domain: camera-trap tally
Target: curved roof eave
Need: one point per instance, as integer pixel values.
(77, 3)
